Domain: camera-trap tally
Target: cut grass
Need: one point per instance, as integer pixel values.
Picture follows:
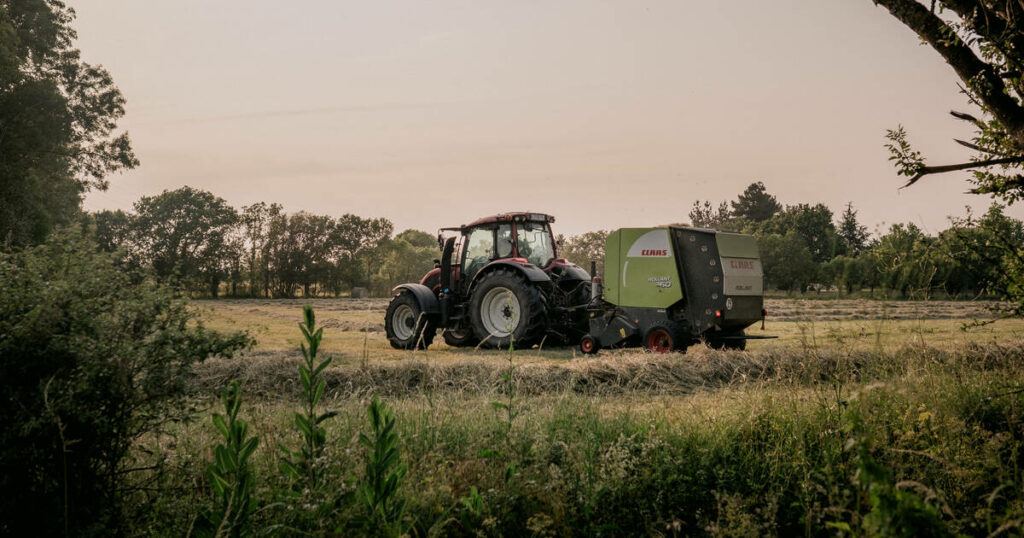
(355, 325)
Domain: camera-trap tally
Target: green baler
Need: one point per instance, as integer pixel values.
(666, 288)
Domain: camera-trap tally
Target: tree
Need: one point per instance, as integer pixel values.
(184, 236)
(755, 204)
(354, 238)
(94, 362)
(852, 233)
(255, 220)
(786, 260)
(58, 117)
(585, 248)
(984, 44)
(704, 215)
(813, 224)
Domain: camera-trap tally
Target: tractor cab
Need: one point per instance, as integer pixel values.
(521, 238)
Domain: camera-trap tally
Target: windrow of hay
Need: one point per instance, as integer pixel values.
(611, 373)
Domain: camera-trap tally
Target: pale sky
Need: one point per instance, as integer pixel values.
(605, 114)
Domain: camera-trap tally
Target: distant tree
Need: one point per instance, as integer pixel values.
(183, 235)
(755, 204)
(418, 239)
(813, 224)
(255, 221)
(852, 233)
(311, 247)
(406, 258)
(585, 248)
(705, 215)
(787, 262)
(354, 238)
(58, 116)
(907, 259)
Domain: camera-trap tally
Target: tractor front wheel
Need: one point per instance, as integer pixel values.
(507, 309)
(664, 336)
(405, 324)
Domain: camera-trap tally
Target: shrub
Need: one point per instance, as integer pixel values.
(92, 359)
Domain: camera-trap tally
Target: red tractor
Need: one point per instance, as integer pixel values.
(499, 282)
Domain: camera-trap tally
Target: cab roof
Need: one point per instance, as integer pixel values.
(517, 216)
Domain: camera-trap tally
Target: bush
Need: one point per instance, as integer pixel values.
(92, 358)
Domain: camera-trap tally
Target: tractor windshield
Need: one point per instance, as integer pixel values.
(534, 242)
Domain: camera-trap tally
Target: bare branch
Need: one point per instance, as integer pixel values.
(924, 171)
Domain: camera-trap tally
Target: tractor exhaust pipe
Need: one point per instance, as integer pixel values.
(595, 282)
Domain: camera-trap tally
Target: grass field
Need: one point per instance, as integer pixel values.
(355, 327)
(863, 418)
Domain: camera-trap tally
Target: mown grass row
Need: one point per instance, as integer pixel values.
(915, 441)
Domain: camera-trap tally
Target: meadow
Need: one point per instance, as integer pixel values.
(863, 418)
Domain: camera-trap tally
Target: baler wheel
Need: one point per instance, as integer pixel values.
(405, 325)
(588, 345)
(663, 337)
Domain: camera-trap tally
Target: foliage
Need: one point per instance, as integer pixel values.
(585, 248)
(982, 42)
(229, 475)
(778, 442)
(378, 492)
(853, 234)
(307, 462)
(59, 115)
(755, 204)
(93, 358)
(704, 215)
(786, 261)
(185, 236)
(813, 224)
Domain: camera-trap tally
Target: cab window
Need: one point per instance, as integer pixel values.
(504, 236)
(479, 251)
(534, 242)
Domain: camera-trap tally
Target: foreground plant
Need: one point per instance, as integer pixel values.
(229, 474)
(378, 491)
(94, 362)
(307, 462)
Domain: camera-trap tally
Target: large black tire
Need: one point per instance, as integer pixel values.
(665, 336)
(405, 325)
(506, 309)
(463, 337)
(737, 344)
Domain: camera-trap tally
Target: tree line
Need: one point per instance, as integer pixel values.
(804, 246)
(194, 241)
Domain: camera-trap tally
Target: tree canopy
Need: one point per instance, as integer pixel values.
(984, 44)
(58, 117)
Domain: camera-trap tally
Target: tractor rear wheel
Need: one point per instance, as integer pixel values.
(463, 337)
(405, 324)
(665, 336)
(507, 309)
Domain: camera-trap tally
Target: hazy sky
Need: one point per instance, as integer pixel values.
(605, 114)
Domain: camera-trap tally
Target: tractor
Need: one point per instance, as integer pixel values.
(499, 282)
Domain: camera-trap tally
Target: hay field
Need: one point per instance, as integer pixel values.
(354, 328)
